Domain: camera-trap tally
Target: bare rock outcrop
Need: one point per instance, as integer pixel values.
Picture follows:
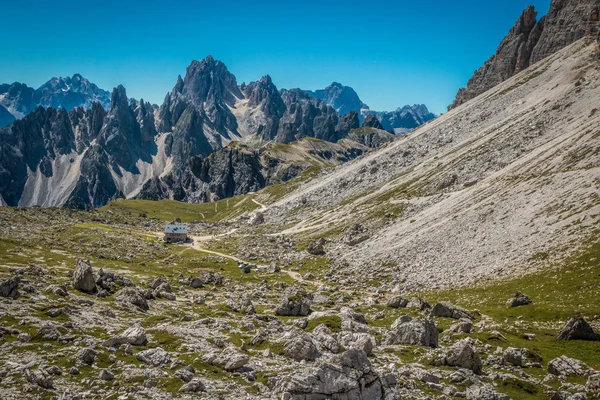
(344, 377)
(530, 40)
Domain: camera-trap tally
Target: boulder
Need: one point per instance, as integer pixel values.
(317, 247)
(345, 377)
(300, 346)
(565, 366)
(414, 331)
(418, 303)
(194, 282)
(578, 329)
(242, 303)
(83, 276)
(325, 341)
(235, 362)
(519, 299)
(10, 288)
(48, 331)
(358, 341)
(87, 356)
(155, 357)
(593, 384)
(256, 219)
(194, 386)
(230, 361)
(462, 354)
(464, 325)
(106, 375)
(397, 302)
(513, 356)
(484, 392)
(133, 296)
(294, 305)
(136, 336)
(40, 378)
(447, 310)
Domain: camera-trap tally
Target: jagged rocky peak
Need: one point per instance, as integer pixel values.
(531, 40)
(70, 92)
(342, 98)
(261, 91)
(372, 122)
(209, 78)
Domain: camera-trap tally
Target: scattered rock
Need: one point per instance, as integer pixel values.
(300, 346)
(133, 296)
(296, 305)
(136, 336)
(412, 331)
(10, 288)
(447, 310)
(87, 356)
(155, 357)
(565, 366)
(578, 329)
(40, 378)
(256, 219)
(317, 247)
(397, 302)
(484, 392)
(519, 299)
(83, 276)
(194, 386)
(462, 354)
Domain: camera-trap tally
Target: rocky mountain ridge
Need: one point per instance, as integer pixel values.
(345, 99)
(18, 99)
(85, 157)
(531, 40)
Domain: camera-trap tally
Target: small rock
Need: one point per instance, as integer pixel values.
(519, 299)
(106, 375)
(87, 356)
(194, 386)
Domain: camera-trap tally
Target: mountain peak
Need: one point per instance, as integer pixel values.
(118, 98)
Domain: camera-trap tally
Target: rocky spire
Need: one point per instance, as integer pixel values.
(530, 40)
(372, 122)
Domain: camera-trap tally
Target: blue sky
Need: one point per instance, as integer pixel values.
(391, 52)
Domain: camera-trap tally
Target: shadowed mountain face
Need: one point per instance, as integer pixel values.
(530, 40)
(19, 99)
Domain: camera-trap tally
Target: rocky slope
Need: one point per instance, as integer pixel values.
(68, 93)
(530, 40)
(504, 167)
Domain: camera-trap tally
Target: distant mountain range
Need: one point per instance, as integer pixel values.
(18, 99)
(75, 145)
(345, 99)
